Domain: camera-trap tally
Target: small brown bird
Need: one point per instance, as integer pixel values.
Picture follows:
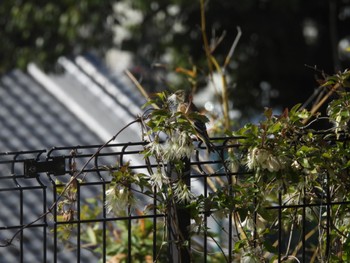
(181, 102)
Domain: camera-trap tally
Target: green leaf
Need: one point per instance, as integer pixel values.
(275, 127)
(327, 155)
(239, 245)
(268, 113)
(91, 234)
(345, 113)
(304, 114)
(294, 109)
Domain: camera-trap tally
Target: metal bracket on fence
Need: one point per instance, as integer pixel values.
(56, 166)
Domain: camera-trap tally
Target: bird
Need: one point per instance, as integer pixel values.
(180, 101)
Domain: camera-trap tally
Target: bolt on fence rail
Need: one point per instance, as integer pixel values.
(80, 229)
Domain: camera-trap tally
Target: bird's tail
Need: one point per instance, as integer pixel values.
(201, 133)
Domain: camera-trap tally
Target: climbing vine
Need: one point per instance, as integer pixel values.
(282, 161)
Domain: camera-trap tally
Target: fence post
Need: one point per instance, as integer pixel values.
(178, 218)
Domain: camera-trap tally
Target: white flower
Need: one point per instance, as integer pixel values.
(118, 198)
(251, 159)
(155, 148)
(264, 159)
(258, 225)
(182, 193)
(248, 223)
(158, 179)
(233, 165)
(272, 164)
(169, 150)
(296, 165)
(256, 157)
(185, 145)
(178, 146)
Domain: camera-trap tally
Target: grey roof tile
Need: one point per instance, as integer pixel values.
(29, 111)
(32, 117)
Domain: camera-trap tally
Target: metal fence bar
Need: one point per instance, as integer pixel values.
(129, 237)
(205, 235)
(230, 225)
(154, 228)
(328, 219)
(178, 218)
(78, 222)
(104, 224)
(44, 229)
(279, 226)
(303, 231)
(55, 233)
(21, 223)
(96, 181)
(21, 208)
(184, 218)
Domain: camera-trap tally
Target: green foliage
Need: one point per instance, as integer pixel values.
(339, 113)
(280, 161)
(178, 127)
(304, 165)
(116, 237)
(41, 31)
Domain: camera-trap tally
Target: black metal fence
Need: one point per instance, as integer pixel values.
(32, 229)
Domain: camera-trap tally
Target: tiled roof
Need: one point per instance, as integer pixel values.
(31, 118)
(85, 105)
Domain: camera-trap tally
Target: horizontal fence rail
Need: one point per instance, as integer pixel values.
(40, 224)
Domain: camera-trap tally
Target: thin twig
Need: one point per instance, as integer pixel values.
(205, 38)
(324, 99)
(233, 47)
(139, 86)
(222, 251)
(216, 42)
(290, 237)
